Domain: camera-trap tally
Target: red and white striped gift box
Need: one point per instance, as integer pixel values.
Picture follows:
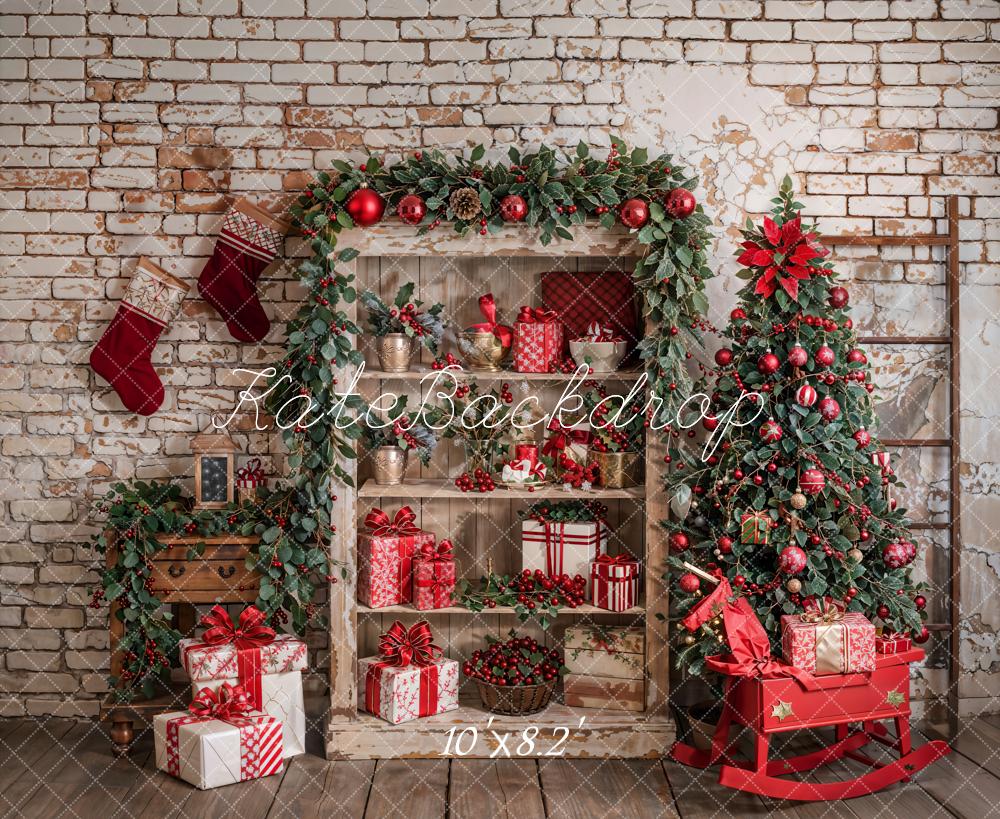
(614, 582)
(562, 548)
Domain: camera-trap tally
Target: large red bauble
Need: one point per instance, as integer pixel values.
(894, 555)
(798, 357)
(883, 611)
(829, 409)
(920, 602)
(923, 636)
(689, 583)
(737, 314)
(725, 544)
(857, 357)
(724, 357)
(513, 208)
(634, 213)
(792, 560)
(411, 209)
(771, 431)
(911, 550)
(812, 482)
(805, 396)
(768, 363)
(680, 203)
(365, 207)
(838, 297)
(825, 356)
(679, 542)
(862, 438)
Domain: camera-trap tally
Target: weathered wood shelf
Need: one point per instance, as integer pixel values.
(418, 372)
(445, 489)
(585, 609)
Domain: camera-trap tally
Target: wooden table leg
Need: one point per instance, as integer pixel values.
(121, 734)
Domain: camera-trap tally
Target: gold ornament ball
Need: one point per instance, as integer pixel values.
(716, 622)
(794, 585)
(798, 501)
(856, 555)
(689, 639)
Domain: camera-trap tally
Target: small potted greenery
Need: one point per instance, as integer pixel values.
(616, 439)
(392, 443)
(400, 328)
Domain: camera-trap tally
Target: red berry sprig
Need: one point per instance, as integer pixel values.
(478, 481)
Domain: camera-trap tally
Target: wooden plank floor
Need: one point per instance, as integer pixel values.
(59, 768)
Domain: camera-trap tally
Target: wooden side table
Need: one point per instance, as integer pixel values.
(219, 575)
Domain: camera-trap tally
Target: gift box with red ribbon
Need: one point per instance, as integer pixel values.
(410, 678)
(539, 340)
(892, 643)
(755, 528)
(433, 576)
(571, 441)
(386, 548)
(267, 666)
(825, 639)
(562, 547)
(220, 740)
(614, 582)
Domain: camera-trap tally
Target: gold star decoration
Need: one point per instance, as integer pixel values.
(782, 710)
(895, 698)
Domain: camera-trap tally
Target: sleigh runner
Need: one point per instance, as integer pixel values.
(770, 697)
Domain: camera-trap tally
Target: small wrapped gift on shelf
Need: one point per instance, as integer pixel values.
(220, 740)
(539, 340)
(572, 442)
(605, 668)
(248, 479)
(268, 667)
(755, 528)
(825, 639)
(562, 547)
(433, 576)
(614, 582)
(410, 678)
(892, 643)
(385, 557)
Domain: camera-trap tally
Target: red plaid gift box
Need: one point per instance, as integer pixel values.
(827, 640)
(558, 547)
(219, 740)
(615, 582)
(539, 340)
(409, 679)
(385, 557)
(433, 576)
(582, 298)
(892, 643)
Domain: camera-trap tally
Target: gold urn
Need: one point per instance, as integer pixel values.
(389, 465)
(617, 470)
(482, 350)
(395, 351)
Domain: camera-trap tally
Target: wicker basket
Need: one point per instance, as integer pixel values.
(516, 700)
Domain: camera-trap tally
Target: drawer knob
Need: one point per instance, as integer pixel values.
(175, 571)
(226, 572)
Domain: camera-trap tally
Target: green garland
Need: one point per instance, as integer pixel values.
(562, 191)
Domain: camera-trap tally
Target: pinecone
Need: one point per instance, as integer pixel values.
(465, 204)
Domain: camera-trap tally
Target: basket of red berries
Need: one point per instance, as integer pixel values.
(515, 677)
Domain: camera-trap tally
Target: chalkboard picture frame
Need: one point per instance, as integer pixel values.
(214, 470)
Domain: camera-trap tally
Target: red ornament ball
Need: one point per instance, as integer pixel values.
(805, 396)
(679, 542)
(911, 550)
(825, 356)
(680, 203)
(724, 357)
(894, 555)
(798, 357)
(771, 431)
(513, 208)
(862, 438)
(634, 213)
(710, 422)
(882, 611)
(689, 583)
(768, 363)
(792, 560)
(829, 409)
(838, 297)
(923, 636)
(411, 209)
(738, 314)
(812, 482)
(725, 545)
(857, 357)
(365, 207)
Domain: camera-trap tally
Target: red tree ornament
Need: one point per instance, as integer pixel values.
(724, 357)
(920, 602)
(689, 583)
(857, 357)
(680, 203)
(838, 297)
(365, 207)
(812, 481)
(513, 208)
(634, 213)
(923, 636)
(725, 545)
(798, 357)
(768, 363)
(895, 555)
(411, 209)
(825, 356)
(678, 542)
(883, 612)
(862, 438)
(792, 560)
(829, 409)
(805, 396)
(737, 314)
(771, 431)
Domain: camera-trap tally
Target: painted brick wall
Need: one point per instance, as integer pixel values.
(127, 124)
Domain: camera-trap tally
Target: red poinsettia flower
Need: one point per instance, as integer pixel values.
(785, 255)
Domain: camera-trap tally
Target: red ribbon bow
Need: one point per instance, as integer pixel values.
(401, 647)
(563, 436)
(402, 524)
(536, 315)
(441, 552)
(488, 307)
(251, 632)
(253, 472)
(226, 704)
(615, 560)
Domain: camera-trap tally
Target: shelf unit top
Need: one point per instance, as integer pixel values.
(420, 371)
(586, 609)
(445, 489)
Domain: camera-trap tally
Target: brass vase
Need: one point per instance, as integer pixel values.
(395, 351)
(390, 465)
(482, 350)
(617, 470)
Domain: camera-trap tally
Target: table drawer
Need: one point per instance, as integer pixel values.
(174, 577)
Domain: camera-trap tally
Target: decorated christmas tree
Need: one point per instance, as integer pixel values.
(790, 496)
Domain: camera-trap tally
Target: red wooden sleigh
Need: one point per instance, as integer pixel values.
(770, 697)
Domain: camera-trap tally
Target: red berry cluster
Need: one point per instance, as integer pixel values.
(537, 588)
(447, 361)
(576, 474)
(566, 366)
(519, 661)
(505, 394)
(402, 435)
(478, 481)
(408, 316)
